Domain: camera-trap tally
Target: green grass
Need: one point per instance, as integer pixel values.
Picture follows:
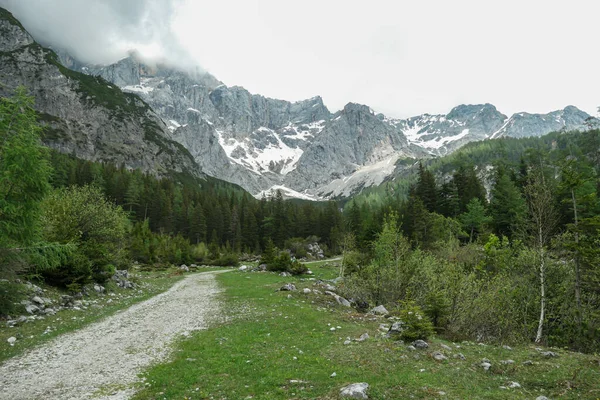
(252, 356)
(32, 334)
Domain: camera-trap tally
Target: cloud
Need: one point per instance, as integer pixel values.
(103, 31)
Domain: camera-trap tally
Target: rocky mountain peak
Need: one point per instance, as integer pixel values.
(357, 108)
(13, 35)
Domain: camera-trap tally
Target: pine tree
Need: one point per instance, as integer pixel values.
(507, 206)
(475, 219)
(426, 188)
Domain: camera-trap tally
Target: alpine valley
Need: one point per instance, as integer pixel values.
(170, 119)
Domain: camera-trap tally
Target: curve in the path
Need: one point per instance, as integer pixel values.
(102, 360)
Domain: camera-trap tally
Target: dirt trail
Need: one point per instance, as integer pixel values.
(102, 360)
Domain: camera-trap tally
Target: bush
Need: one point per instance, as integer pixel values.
(82, 216)
(283, 263)
(416, 324)
(226, 260)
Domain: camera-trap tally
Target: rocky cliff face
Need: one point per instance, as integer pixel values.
(85, 115)
(262, 143)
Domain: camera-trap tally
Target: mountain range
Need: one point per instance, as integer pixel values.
(161, 118)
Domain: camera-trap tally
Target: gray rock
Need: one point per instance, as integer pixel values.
(507, 362)
(542, 398)
(485, 365)
(306, 291)
(379, 310)
(396, 329)
(438, 356)
(355, 391)
(420, 344)
(549, 354)
(340, 300)
(514, 385)
(184, 268)
(32, 309)
(50, 311)
(460, 356)
(505, 347)
(11, 340)
(99, 289)
(243, 268)
(446, 347)
(38, 300)
(528, 362)
(288, 287)
(285, 274)
(363, 337)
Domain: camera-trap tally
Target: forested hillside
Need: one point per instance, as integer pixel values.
(499, 242)
(71, 222)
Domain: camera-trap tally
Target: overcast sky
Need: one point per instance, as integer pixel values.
(402, 58)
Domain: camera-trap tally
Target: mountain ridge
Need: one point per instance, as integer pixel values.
(262, 143)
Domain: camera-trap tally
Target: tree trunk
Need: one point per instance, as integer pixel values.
(577, 266)
(538, 336)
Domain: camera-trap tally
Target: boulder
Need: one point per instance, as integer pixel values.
(288, 287)
(184, 268)
(11, 340)
(514, 385)
(438, 356)
(32, 309)
(379, 310)
(363, 337)
(306, 291)
(243, 268)
(341, 301)
(285, 274)
(396, 329)
(446, 347)
(261, 267)
(485, 365)
(420, 344)
(98, 289)
(38, 300)
(355, 391)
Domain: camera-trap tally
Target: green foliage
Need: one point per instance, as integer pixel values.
(508, 208)
(10, 295)
(282, 262)
(82, 216)
(475, 219)
(24, 171)
(416, 324)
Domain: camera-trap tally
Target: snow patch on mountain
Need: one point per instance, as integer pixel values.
(275, 156)
(286, 192)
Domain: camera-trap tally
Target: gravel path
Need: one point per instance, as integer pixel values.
(102, 360)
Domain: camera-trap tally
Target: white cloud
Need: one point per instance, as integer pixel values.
(400, 57)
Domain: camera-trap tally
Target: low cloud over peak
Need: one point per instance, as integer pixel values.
(104, 31)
